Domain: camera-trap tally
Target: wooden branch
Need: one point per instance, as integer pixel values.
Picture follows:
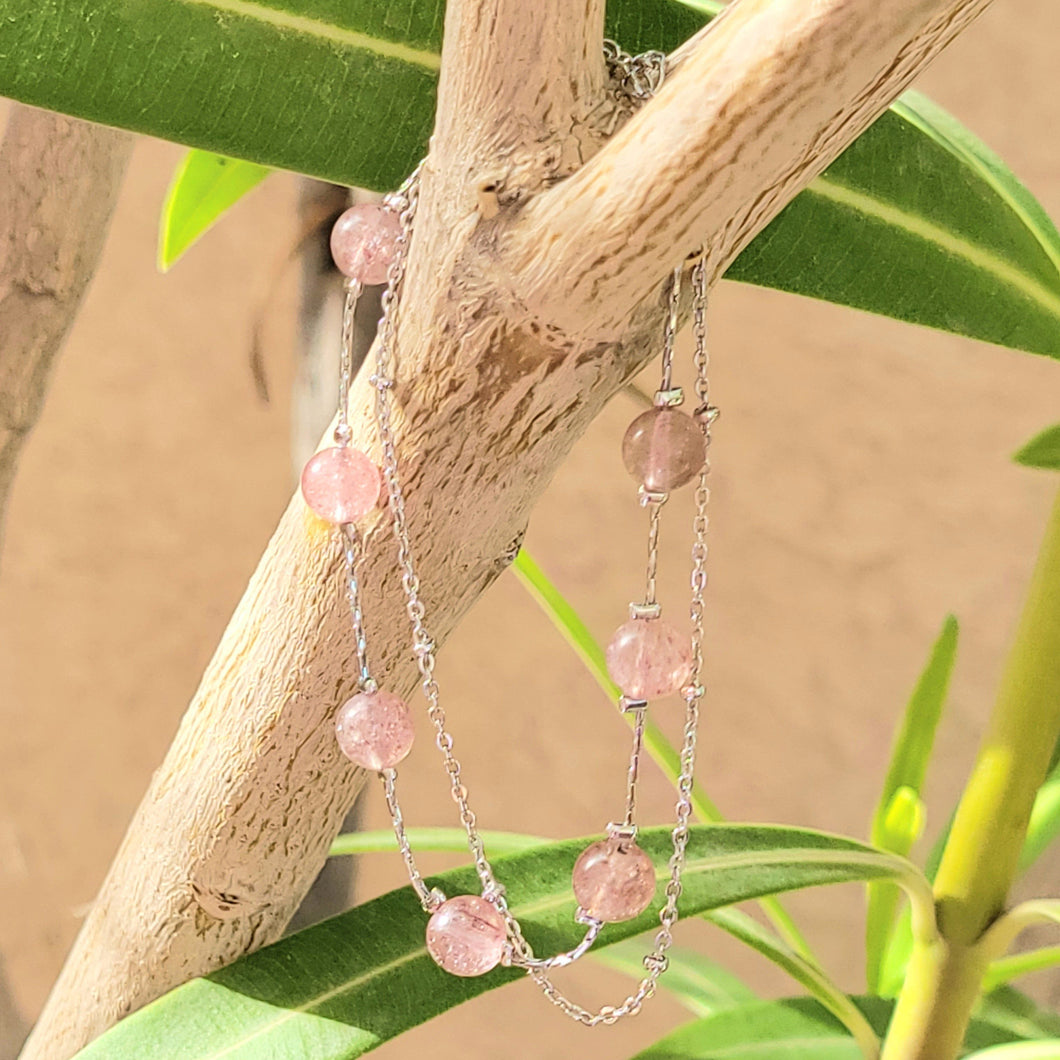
(59, 182)
(764, 98)
(497, 376)
(516, 92)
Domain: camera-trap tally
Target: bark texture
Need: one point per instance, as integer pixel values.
(529, 301)
(59, 182)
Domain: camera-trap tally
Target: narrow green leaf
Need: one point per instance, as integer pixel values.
(575, 632)
(1018, 1015)
(700, 984)
(340, 988)
(808, 975)
(1045, 821)
(770, 1030)
(577, 635)
(1040, 1050)
(894, 824)
(797, 1029)
(1043, 450)
(1019, 964)
(917, 220)
(204, 187)
(440, 840)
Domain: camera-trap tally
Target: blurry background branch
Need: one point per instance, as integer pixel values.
(59, 181)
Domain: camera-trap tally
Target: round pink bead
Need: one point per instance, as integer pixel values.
(466, 935)
(341, 484)
(363, 242)
(648, 658)
(374, 730)
(664, 449)
(614, 880)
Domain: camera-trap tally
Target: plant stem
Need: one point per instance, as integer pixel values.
(982, 854)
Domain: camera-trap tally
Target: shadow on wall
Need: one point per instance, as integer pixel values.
(13, 1029)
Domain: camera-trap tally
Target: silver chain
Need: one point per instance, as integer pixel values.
(637, 78)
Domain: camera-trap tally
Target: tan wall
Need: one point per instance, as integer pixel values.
(862, 490)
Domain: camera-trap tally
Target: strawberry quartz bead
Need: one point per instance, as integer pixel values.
(341, 484)
(363, 242)
(614, 880)
(663, 449)
(466, 935)
(648, 658)
(374, 730)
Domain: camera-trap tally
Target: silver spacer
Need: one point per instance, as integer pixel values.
(649, 498)
(627, 705)
(343, 434)
(706, 414)
(624, 832)
(435, 898)
(668, 399)
(647, 610)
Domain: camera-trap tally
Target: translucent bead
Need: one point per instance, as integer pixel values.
(466, 935)
(614, 880)
(363, 242)
(341, 484)
(374, 730)
(648, 658)
(663, 449)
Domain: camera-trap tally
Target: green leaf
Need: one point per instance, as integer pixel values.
(665, 756)
(1040, 1050)
(204, 187)
(701, 985)
(338, 989)
(444, 840)
(1019, 964)
(898, 817)
(1018, 1015)
(1044, 826)
(1043, 450)
(808, 975)
(917, 220)
(797, 1029)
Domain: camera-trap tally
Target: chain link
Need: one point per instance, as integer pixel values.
(638, 78)
(350, 541)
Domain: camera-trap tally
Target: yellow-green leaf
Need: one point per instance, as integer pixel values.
(204, 187)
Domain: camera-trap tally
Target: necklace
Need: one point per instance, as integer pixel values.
(664, 448)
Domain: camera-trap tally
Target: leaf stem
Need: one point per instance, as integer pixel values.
(982, 854)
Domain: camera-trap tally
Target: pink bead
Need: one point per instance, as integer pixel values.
(648, 658)
(664, 449)
(341, 484)
(363, 242)
(374, 730)
(466, 935)
(614, 880)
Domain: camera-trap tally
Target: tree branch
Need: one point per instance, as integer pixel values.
(59, 182)
(497, 375)
(763, 99)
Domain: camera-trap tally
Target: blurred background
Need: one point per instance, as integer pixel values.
(862, 490)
